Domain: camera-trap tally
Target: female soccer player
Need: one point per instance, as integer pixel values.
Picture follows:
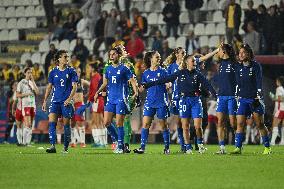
(116, 79)
(173, 62)
(27, 90)
(77, 123)
(188, 82)
(156, 101)
(63, 81)
(226, 83)
(278, 110)
(99, 132)
(249, 85)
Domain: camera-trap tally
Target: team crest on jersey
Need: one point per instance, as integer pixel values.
(118, 71)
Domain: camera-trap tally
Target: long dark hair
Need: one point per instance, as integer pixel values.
(172, 57)
(58, 55)
(147, 58)
(229, 50)
(249, 51)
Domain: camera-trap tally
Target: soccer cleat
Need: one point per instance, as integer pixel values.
(201, 149)
(267, 150)
(118, 151)
(188, 151)
(138, 151)
(220, 152)
(83, 145)
(73, 145)
(167, 151)
(51, 150)
(236, 151)
(126, 149)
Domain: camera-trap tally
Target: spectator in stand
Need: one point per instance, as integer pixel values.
(193, 7)
(124, 26)
(250, 15)
(69, 28)
(17, 73)
(171, 14)
(232, 14)
(166, 50)
(271, 31)
(93, 8)
(99, 32)
(137, 23)
(49, 10)
(7, 73)
(37, 73)
(55, 29)
(81, 52)
(82, 27)
(261, 19)
(123, 6)
(52, 51)
(157, 42)
(110, 28)
(237, 42)
(281, 26)
(75, 63)
(191, 43)
(135, 45)
(252, 37)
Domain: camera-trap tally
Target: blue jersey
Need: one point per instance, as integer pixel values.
(189, 82)
(249, 80)
(226, 78)
(62, 83)
(157, 96)
(172, 69)
(117, 87)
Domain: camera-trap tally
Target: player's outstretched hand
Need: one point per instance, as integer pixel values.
(44, 106)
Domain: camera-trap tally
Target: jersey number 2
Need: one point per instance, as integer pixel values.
(62, 82)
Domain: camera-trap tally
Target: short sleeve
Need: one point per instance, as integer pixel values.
(19, 87)
(128, 73)
(50, 77)
(74, 76)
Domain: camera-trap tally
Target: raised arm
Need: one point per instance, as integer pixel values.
(209, 55)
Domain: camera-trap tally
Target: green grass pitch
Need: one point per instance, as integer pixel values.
(29, 167)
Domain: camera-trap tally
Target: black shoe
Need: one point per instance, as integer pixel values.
(167, 151)
(126, 149)
(51, 150)
(138, 151)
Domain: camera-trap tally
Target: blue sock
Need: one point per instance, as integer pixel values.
(222, 143)
(199, 140)
(112, 131)
(144, 137)
(239, 140)
(188, 146)
(120, 137)
(180, 136)
(52, 132)
(265, 141)
(67, 135)
(166, 136)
